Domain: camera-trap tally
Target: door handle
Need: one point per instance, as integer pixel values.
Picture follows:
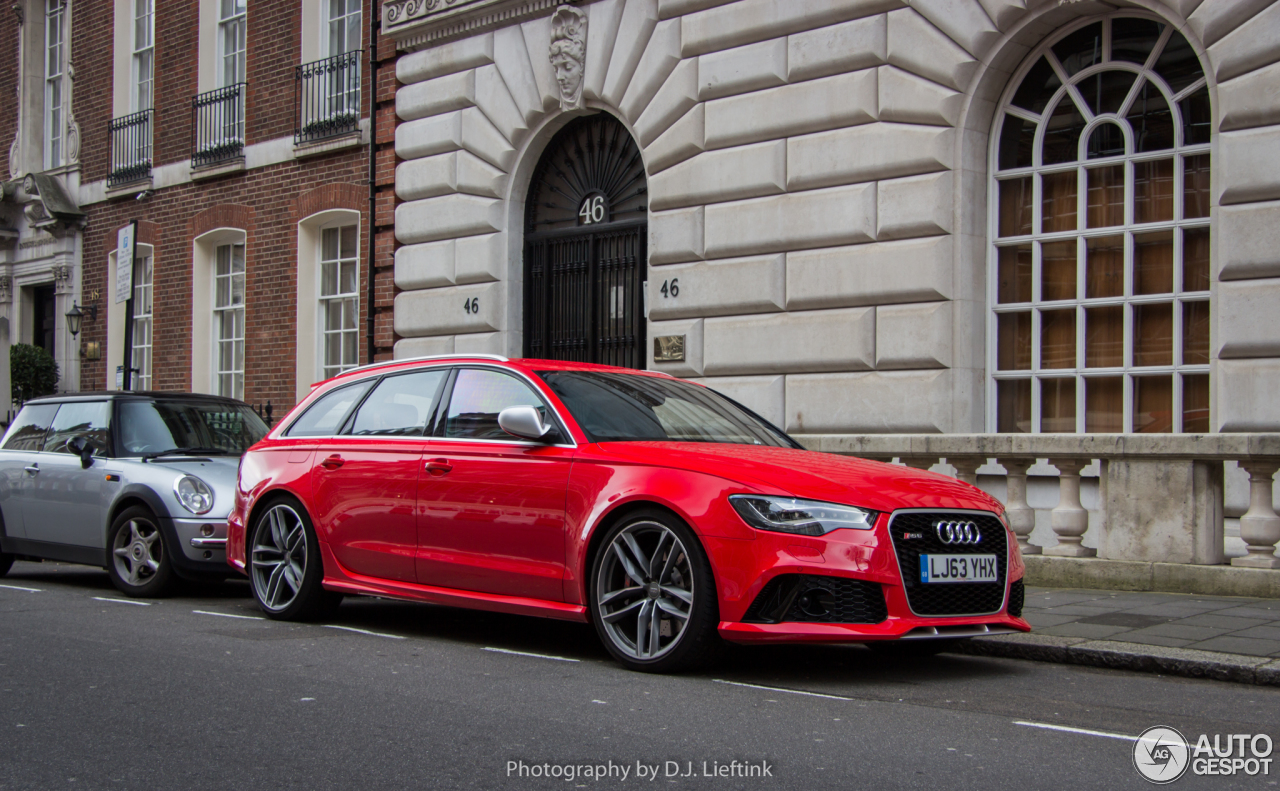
(33, 469)
(438, 467)
(332, 463)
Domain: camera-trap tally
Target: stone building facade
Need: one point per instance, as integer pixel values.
(237, 137)
(855, 216)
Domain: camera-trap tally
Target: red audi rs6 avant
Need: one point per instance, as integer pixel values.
(667, 515)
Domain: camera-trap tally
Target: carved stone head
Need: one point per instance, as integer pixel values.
(569, 54)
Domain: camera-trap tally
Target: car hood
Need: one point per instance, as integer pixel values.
(809, 474)
(217, 471)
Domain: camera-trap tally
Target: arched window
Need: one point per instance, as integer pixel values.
(1100, 272)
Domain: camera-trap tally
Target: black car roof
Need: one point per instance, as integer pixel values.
(129, 394)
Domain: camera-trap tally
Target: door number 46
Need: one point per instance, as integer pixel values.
(471, 305)
(671, 288)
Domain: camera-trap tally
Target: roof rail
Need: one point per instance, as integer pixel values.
(497, 357)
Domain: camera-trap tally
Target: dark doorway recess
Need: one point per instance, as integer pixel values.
(585, 260)
(43, 317)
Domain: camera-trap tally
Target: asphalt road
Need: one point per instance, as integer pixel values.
(197, 691)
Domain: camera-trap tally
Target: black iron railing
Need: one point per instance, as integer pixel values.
(326, 95)
(217, 125)
(130, 148)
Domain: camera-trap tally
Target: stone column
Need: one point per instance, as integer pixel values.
(967, 468)
(1021, 516)
(918, 462)
(1070, 520)
(1260, 527)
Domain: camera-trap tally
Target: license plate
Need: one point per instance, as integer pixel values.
(958, 568)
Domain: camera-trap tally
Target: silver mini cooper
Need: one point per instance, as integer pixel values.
(137, 483)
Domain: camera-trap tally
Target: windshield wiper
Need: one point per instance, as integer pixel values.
(186, 452)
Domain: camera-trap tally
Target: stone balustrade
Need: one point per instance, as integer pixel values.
(1160, 497)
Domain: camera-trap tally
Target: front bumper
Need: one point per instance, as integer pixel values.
(744, 567)
(203, 539)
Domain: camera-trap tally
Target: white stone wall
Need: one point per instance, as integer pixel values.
(817, 174)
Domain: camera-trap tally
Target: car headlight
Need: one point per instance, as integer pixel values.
(194, 494)
(804, 517)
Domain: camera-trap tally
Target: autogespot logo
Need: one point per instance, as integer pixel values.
(1161, 755)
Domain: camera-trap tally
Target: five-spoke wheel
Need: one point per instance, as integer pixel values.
(652, 597)
(284, 564)
(140, 564)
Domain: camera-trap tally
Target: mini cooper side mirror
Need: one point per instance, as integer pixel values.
(82, 447)
(524, 422)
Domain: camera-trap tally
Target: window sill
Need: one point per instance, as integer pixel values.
(132, 188)
(352, 139)
(220, 169)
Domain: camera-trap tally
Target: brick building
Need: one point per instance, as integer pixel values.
(237, 136)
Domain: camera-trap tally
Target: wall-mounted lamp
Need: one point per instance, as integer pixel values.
(75, 316)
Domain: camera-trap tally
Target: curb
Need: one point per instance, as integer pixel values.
(1187, 663)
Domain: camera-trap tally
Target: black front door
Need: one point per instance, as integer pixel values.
(585, 259)
(44, 317)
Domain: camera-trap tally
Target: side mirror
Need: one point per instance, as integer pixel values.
(82, 447)
(523, 422)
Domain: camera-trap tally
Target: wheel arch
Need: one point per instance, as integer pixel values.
(265, 500)
(620, 512)
(130, 496)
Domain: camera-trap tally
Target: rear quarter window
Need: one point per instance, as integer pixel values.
(325, 417)
(28, 429)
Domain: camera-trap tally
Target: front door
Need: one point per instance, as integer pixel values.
(20, 464)
(68, 504)
(365, 479)
(585, 259)
(491, 507)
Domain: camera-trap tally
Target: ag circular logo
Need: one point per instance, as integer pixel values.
(1161, 755)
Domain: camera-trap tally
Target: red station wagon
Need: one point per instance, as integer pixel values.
(664, 513)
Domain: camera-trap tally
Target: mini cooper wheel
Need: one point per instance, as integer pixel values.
(285, 567)
(6, 562)
(139, 564)
(652, 595)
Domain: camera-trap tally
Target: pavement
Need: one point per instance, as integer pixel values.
(198, 691)
(1221, 637)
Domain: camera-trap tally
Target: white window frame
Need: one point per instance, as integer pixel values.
(54, 54)
(229, 380)
(143, 326)
(1177, 297)
(232, 42)
(352, 298)
(344, 20)
(144, 56)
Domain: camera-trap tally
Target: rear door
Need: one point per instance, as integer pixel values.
(68, 503)
(490, 505)
(19, 463)
(365, 477)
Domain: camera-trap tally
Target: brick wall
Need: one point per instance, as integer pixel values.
(8, 82)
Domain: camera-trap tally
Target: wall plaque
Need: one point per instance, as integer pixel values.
(668, 348)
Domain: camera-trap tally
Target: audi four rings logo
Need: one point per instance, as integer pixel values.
(958, 532)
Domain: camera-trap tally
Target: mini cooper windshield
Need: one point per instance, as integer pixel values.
(613, 407)
(173, 427)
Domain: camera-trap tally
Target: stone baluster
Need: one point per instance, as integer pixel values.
(1069, 519)
(1260, 527)
(1021, 516)
(919, 462)
(967, 468)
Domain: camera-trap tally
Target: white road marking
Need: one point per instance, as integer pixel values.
(780, 689)
(363, 631)
(1085, 731)
(229, 615)
(526, 653)
(122, 601)
(20, 588)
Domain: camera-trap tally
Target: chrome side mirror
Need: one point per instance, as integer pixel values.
(523, 422)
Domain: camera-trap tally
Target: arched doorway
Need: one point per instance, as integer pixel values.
(585, 260)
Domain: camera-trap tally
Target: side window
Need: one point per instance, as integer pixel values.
(478, 396)
(87, 419)
(28, 429)
(400, 405)
(325, 416)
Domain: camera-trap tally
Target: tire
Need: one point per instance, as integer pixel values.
(912, 649)
(139, 562)
(285, 569)
(675, 584)
(6, 563)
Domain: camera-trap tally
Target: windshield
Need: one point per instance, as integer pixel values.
(625, 407)
(148, 427)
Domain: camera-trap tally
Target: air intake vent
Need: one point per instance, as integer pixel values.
(811, 598)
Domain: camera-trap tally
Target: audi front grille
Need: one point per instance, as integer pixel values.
(949, 598)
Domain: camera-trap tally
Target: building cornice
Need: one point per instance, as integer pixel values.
(415, 24)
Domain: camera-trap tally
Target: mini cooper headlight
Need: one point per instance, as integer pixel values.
(804, 517)
(194, 494)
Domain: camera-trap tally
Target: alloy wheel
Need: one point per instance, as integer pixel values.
(279, 557)
(138, 552)
(644, 591)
